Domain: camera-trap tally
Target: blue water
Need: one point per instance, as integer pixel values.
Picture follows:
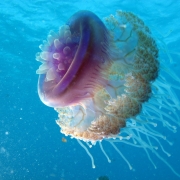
(31, 146)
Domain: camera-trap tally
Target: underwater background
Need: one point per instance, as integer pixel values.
(31, 146)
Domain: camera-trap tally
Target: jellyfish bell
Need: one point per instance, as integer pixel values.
(77, 51)
(103, 78)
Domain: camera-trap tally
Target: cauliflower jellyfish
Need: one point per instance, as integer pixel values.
(106, 82)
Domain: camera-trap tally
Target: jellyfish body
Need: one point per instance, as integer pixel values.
(100, 79)
(95, 78)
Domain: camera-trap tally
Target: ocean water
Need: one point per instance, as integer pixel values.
(31, 146)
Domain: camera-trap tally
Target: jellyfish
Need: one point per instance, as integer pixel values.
(103, 79)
